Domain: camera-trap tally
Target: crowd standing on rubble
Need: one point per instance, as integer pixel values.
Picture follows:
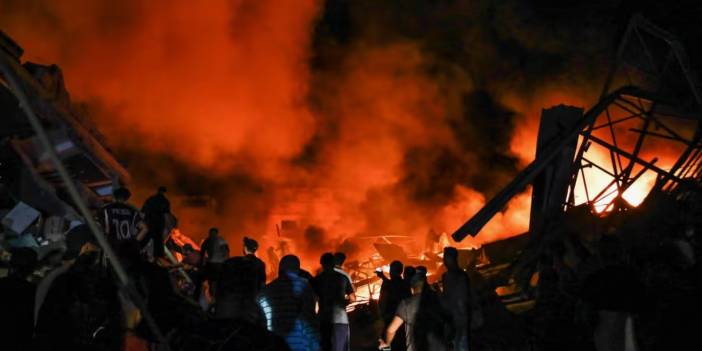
(594, 292)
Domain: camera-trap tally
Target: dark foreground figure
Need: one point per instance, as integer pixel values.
(604, 297)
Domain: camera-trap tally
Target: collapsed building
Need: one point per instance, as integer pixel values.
(630, 167)
(34, 205)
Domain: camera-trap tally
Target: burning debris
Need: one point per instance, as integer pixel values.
(622, 178)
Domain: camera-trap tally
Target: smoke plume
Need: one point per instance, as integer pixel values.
(352, 118)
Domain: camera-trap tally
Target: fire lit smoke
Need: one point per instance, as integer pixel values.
(354, 118)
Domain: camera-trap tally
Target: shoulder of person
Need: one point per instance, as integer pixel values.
(131, 207)
(338, 274)
(107, 206)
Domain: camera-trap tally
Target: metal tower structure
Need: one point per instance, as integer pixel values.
(643, 134)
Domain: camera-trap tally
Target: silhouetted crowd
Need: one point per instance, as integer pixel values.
(620, 286)
(602, 289)
(209, 299)
(419, 315)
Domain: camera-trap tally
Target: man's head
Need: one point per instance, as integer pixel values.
(421, 273)
(409, 272)
(339, 258)
(250, 246)
(121, 194)
(450, 257)
(188, 249)
(327, 261)
(288, 264)
(417, 284)
(396, 268)
(213, 232)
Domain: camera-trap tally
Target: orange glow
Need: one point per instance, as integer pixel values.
(598, 181)
(524, 145)
(223, 87)
(182, 239)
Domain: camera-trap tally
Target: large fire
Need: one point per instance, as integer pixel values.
(227, 92)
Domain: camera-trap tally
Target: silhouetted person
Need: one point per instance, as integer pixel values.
(17, 300)
(155, 209)
(81, 310)
(334, 291)
(422, 272)
(421, 316)
(122, 221)
(547, 323)
(259, 268)
(288, 304)
(408, 273)
(236, 292)
(214, 249)
(78, 239)
(457, 298)
(392, 291)
(213, 252)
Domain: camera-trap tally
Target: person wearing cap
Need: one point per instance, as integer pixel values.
(250, 247)
(155, 209)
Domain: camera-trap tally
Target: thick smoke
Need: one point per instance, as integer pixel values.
(356, 118)
(428, 96)
(208, 99)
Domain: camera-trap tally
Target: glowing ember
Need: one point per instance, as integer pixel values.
(182, 239)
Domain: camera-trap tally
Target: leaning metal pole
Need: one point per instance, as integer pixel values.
(525, 177)
(8, 73)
